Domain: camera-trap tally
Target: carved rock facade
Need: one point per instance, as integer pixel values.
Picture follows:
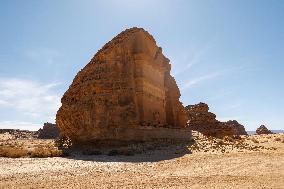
(127, 85)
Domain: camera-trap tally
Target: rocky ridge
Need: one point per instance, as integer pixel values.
(200, 119)
(48, 131)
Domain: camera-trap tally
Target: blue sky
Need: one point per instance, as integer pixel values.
(226, 53)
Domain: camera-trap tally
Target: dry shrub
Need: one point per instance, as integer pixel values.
(42, 152)
(57, 153)
(13, 152)
(254, 140)
(277, 139)
(63, 142)
(221, 143)
(228, 138)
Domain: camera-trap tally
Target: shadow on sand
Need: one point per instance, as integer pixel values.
(138, 153)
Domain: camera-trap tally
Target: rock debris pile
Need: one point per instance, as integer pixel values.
(200, 119)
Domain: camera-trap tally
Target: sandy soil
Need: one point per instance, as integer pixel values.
(207, 167)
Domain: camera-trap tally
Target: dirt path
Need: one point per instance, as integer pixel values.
(235, 170)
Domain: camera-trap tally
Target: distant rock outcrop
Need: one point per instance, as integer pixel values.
(263, 130)
(200, 119)
(239, 129)
(124, 92)
(48, 131)
(205, 122)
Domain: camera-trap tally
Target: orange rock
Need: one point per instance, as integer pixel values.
(200, 119)
(126, 85)
(263, 130)
(48, 131)
(239, 129)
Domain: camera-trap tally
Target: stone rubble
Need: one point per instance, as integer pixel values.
(200, 119)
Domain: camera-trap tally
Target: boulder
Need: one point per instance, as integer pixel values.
(263, 130)
(239, 129)
(125, 87)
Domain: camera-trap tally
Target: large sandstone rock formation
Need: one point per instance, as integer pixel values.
(48, 131)
(127, 85)
(200, 119)
(263, 130)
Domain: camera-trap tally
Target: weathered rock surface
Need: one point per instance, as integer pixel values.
(199, 116)
(205, 122)
(48, 131)
(126, 86)
(200, 119)
(263, 130)
(239, 129)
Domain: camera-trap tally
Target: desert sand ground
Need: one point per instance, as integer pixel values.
(208, 166)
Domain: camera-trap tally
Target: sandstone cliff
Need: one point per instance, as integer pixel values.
(126, 85)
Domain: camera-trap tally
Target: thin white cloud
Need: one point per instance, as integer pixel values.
(192, 82)
(34, 100)
(196, 58)
(197, 80)
(191, 56)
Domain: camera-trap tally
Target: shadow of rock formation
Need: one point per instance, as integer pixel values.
(139, 152)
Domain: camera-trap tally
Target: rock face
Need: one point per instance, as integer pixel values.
(126, 85)
(199, 116)
(200, 119)
(239, 129)
(205, 122)
(48, 131)
(263, 130)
